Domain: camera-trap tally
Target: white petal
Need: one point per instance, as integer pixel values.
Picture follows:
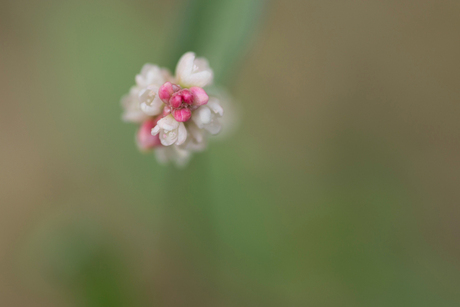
(168, 123)
(201, 64)
(194, 146)
(199, 79)
(156, 130)
(214, 127)
(168, 138)
(142, 76)
(196, 133)
(214, 105)
(181, 134)
(154, 76)
(132, 111)
(205, 115)
(148, 94)
(151, 104)
(150, 74)
(145, 69)
(153, 109)
(192, 72)
(185, 66)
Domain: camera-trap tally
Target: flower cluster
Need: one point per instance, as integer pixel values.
(175, 113)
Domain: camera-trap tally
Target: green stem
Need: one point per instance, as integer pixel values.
(188, 240)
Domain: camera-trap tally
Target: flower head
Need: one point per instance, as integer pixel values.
(177, 110)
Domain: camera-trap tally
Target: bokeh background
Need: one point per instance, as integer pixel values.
(340, 186)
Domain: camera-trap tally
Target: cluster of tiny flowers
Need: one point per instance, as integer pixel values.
(175, 113)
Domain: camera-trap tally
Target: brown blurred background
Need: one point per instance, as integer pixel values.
(339, 188)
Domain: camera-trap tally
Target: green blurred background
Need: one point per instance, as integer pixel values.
(340, 186)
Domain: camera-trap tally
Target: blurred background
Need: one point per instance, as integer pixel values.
(340, 186)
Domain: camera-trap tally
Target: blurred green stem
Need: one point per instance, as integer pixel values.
(218, 31)
(189, 237)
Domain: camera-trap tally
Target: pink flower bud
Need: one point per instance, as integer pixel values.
(182, 115)
(175, 101)
(166, 91)
(187, 96)
(199, 96)
(145, 140)
(176, 88)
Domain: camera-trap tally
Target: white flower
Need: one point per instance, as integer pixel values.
(132, 111)
(142, 100)
(207, 116)
(171, 131)
(152, 74)
(196, 138)
(180, 154)
(149, 81)
(192, 72)
(149, 101)
(230, 119)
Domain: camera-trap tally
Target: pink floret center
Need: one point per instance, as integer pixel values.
(180, 102)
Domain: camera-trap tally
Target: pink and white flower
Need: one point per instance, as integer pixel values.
(177, 109)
